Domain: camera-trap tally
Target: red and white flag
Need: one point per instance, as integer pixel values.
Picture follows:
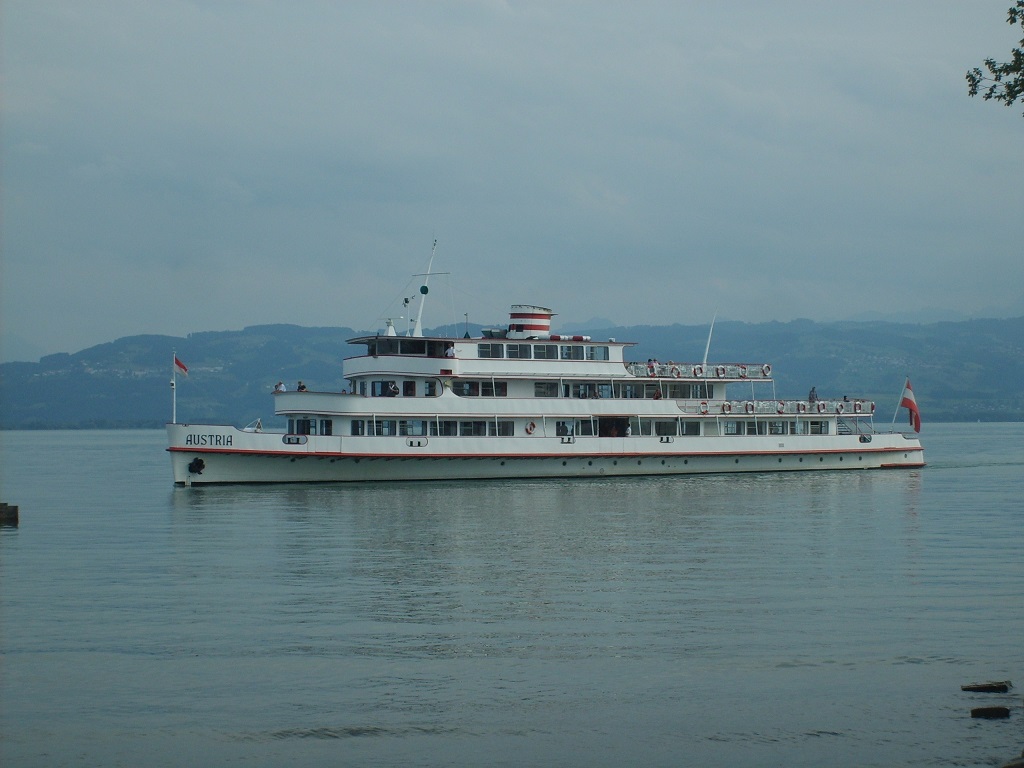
(910, 403)
(180, 367)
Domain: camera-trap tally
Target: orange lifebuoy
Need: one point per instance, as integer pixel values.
(704, 407)
(530, 427)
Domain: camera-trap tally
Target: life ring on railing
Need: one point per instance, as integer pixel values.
(743, 371)
(872, 407)
(857, 407)
(720, 371)
(801, 407)
(840, 408)
(821, 406)
(781, 408)
(749, 407)
(726, 407)
(530, 427)
(676, 372)
(698, 371)
(704, 407)
(766, 369)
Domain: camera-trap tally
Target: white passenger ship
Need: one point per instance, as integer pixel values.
(522, 402)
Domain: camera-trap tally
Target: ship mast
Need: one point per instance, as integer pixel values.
(417, 328)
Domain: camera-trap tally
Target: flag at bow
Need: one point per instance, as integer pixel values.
(180, 367)
(909, 402)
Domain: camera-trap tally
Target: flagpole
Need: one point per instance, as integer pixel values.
(174, 388)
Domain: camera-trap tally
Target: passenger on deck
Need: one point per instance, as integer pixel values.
(450, 351)
(812, 396)
(301, 387)
(280, 387)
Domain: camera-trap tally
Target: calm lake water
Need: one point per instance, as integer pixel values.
(779, 620)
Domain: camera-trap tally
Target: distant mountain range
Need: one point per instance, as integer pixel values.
(961, 371)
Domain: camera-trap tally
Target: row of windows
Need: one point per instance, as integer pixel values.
(542, 351)
(775, 428)
(604, 427)
(433, 428)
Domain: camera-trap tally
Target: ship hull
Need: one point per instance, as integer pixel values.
(214, 454)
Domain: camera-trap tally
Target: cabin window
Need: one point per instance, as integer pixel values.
(640, 426)
(466, 388)
(819, 427)
(326, 426)
(776, 427)
(430, 389)
(691, 428)
(545, 389)
(444, 428)
(757, 428)
(585, 427)
(302, 426)
(382, 427)
(385, 388)
(545, 351)
(358, 427)
(501, 428)
(412, 427)
(473, 428)
(362, 388)
(597, 353)
(494, 389)
(629, 390)
(490, 350)
(733, 428)
(678, 391)
(518, 351)
(408, 389)
(663, 428)
(565, 428)
(798, 427)
(572, 352)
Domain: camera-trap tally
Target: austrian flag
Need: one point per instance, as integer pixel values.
(910, 403)
(180, 367)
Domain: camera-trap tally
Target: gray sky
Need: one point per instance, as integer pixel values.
(188, 166)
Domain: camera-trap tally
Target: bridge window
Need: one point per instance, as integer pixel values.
(545, 351)
(490, 350)
(518, 351)
(572, 352)
(597, 353)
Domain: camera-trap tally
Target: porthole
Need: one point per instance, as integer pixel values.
(801, 459)
(638, 462)
(663, 462)
(564, 463)
(686, 461)
(737, 461)
(590, 463)
(821, 458)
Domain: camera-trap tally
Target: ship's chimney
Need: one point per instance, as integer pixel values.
(526, 321)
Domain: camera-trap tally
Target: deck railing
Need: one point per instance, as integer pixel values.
(700, 371)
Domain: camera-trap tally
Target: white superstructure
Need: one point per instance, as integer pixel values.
(522, 401)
